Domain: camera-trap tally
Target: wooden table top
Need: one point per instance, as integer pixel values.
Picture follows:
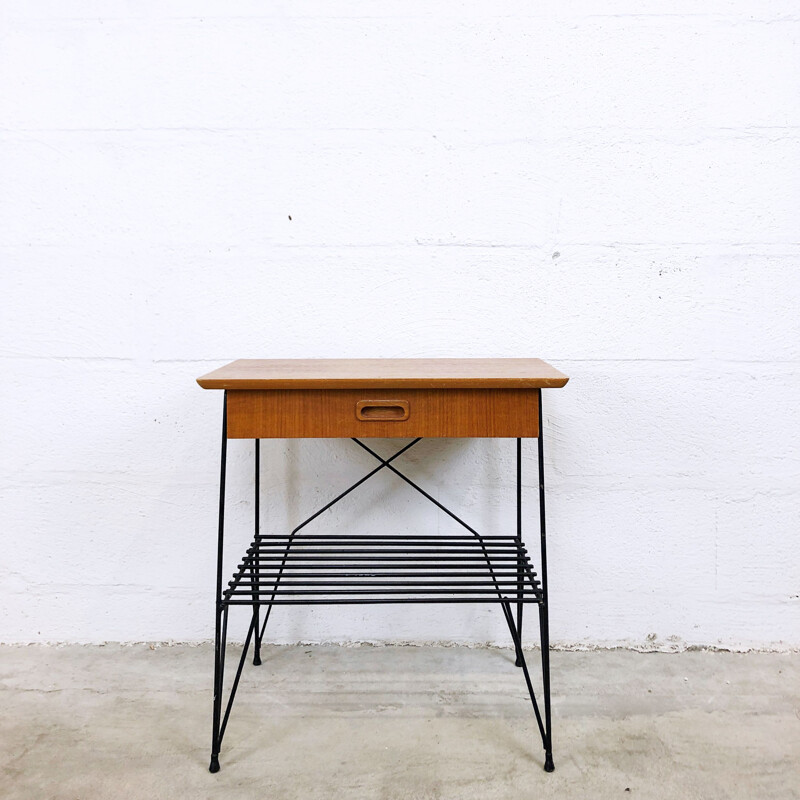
(385, 373)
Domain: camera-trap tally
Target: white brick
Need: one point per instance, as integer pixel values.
(610, 186)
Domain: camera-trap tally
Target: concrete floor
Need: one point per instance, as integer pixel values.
(397, 722)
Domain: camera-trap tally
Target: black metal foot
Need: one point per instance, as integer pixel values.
(214, 765)
(518, 663)
(257, 660)
(549, 766)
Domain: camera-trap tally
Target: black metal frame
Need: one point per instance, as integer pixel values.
(315, 570)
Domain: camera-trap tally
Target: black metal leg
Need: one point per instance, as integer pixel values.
(214, 765)
(219, 672)
(515, 637)
(255, 562)
(220, 628)
(545, 637)
(544, 621)
(520, 604)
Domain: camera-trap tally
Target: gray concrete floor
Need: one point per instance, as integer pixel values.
(397, 722)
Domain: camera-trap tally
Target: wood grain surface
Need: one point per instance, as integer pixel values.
(385, 373)
(324, 413)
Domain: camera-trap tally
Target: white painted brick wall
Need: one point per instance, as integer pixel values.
(612, 186)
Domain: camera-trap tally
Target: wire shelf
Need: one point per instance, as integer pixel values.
(331, 570)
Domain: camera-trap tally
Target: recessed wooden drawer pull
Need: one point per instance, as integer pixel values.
(382, 410)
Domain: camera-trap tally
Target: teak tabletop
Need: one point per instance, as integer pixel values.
(385, 373)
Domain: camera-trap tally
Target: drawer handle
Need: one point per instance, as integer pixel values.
(382, 410)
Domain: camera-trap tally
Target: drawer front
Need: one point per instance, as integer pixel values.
(384, 413)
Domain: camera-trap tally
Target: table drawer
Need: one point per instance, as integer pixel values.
(384, 413)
